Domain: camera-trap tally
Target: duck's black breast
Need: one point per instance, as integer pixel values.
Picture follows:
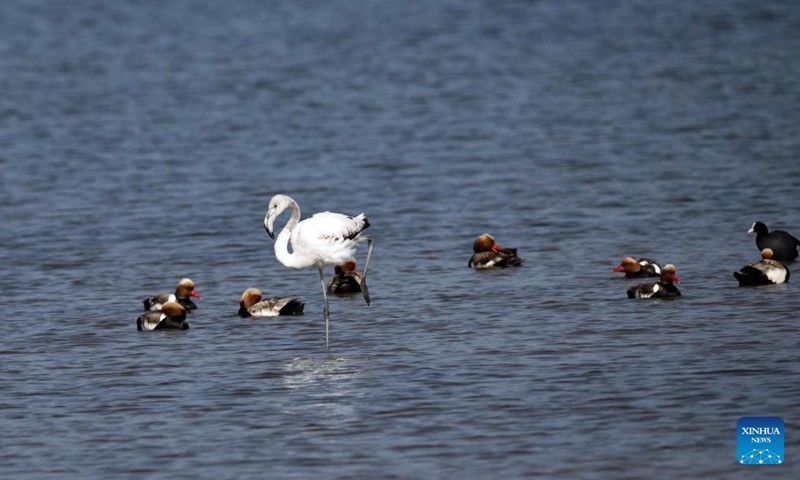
(187, 303)
(344, 283)
(668, 290)
(172, 323)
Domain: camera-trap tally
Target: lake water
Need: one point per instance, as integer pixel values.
(141, 141)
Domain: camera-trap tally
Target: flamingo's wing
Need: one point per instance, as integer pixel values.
(328, 238)
(335, 226)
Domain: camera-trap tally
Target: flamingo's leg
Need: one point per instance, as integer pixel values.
(325, 310)
(364, 289)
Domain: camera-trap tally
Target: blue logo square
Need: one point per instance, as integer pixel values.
(759, 441)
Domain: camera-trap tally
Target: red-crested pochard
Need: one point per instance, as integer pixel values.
(662, 289)
(183, 291)
(252, 305)
(487, 254)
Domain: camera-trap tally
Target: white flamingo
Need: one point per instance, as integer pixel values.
(324, 239)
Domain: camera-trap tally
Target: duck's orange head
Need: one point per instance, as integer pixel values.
(185, 289)
(628, 265)
(172, 309)
(669, 272)
(484, 243)
(250, 297)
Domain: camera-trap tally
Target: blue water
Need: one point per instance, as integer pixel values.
(141, 141)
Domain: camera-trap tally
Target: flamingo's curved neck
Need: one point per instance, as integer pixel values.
(282, 242)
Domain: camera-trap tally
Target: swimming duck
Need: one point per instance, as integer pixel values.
(346, 279)
(644, 267)
(490, 255)
(252, 305)
(171, 316)
(663, 289)
(183, 291)
(764, 272)
(782, 244)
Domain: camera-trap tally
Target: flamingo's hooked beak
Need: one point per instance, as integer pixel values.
(268, 221)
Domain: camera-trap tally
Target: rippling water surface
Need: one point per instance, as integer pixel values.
(141, 141)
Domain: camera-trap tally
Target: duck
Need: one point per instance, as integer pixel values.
(764, 272)
(489, 255)
(662, 289)
(782, 244)
(644, 267)
(171, 316)
(346, 279)
(183, 291)
(252, 305)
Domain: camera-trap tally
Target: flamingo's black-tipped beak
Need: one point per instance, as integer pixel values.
(268, 224)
